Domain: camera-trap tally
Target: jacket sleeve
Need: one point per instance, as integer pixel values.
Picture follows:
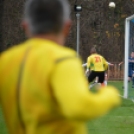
(71, 91)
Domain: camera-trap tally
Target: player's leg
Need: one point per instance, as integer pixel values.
(129, 75)
(94, 83)
(91, 77)
(101, 76)
(129, 78)
(132, 79)
(105, 80)
(96, 80)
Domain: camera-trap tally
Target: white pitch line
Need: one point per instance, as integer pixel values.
(126, 98)
(121, 96)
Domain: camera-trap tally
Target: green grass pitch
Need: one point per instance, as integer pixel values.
(118, 121)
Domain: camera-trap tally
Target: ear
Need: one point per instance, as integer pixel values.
(25, 27)
(66, 28)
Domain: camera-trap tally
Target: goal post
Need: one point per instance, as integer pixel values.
(129, 42)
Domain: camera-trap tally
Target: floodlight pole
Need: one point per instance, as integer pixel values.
(78, 33)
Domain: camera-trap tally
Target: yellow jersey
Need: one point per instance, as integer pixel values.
(43, 90)
(96, 62)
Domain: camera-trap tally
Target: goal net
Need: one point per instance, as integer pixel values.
(129, 47)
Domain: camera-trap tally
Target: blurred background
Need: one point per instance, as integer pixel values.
(100, 26)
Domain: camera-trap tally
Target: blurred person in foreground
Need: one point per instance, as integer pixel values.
(97, 66)
(42, 84)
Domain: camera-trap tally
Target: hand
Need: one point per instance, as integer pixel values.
(113, 95)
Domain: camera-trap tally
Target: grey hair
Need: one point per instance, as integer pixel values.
(66, 10)
(46, 16)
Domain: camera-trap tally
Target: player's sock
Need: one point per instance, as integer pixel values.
(102, 84)
(96, 81)
(93, 84)
(105, 82)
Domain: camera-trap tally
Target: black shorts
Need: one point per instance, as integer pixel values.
(94, 74)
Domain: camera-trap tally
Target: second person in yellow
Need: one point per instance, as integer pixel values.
(97, 66)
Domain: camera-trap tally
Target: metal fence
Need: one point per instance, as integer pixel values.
(116, 72)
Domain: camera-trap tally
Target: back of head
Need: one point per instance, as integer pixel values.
(46, 16)
(93, 50)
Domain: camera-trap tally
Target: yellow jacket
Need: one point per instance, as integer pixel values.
(43, 90)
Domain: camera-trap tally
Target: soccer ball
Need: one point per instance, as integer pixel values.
(112, 5)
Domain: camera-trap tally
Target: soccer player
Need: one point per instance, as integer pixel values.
(96, 79)
(130, 68)
(97, 66)
(43, 89)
